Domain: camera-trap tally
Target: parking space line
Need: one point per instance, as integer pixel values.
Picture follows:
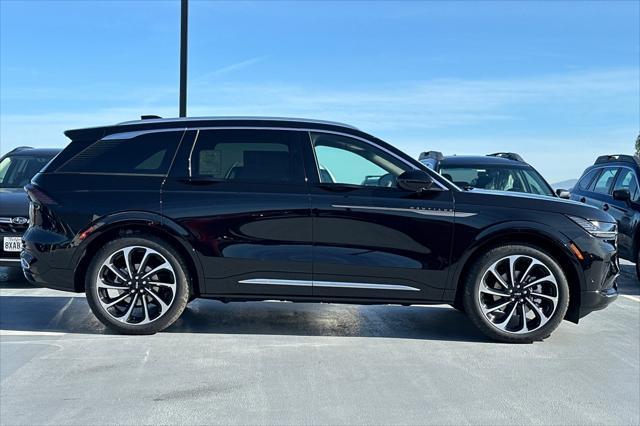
(628, 296)
(30, 333)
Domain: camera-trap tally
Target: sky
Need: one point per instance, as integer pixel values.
(557, 82)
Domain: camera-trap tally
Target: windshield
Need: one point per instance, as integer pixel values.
(500, 178)
(17, 171)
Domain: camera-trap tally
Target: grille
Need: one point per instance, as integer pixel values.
(8, 227)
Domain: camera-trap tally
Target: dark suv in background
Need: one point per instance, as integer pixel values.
(501, 171)
(145, 215)
(611, 185)
(17, 167)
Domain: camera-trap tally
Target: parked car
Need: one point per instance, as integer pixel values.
(502, 171)
(611, 184)
(145, 215)
(17, 167)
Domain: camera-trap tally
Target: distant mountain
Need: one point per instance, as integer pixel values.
(565, 184)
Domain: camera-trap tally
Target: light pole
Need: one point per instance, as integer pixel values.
(184, 23)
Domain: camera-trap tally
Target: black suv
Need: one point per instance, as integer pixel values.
(611, 184)
(17, 167)
(144, 216)
(502, 171)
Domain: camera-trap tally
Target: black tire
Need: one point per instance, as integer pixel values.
(168, 316)
(472, 302)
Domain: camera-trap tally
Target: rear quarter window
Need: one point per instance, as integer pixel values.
(586, 180)
(149, 153)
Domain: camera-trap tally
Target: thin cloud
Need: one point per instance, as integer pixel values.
(228, 69)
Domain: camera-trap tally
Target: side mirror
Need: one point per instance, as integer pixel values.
(415, 181)
(563, 193)
(622, 195)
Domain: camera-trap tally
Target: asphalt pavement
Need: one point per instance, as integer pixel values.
(286, 363)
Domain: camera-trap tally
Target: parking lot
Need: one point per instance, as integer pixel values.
(284, 363)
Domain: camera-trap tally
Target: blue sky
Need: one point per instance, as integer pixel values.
(557, 82)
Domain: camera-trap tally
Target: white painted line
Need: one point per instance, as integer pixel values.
(30, 333)
(635, 298)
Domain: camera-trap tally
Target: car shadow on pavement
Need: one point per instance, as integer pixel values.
(72, 315)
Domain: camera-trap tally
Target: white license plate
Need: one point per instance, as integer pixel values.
(12, 243)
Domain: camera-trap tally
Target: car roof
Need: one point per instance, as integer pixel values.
(186, 122)
(480, 160)
(28, 151)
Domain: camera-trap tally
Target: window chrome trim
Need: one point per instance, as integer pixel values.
(291, 129)
(136, 133)
(609, 166)
(332, 284)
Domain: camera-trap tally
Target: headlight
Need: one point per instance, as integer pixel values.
(596, 228)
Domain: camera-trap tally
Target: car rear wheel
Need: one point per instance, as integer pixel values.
(516, 294)
(137, 285)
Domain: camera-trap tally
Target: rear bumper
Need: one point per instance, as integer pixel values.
(9, 262)
(39, 273)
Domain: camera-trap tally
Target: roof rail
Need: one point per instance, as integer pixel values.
(508, 155)
(436, 155)
(19, 148)
(618, 157)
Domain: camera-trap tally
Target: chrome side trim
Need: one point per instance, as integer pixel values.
(272, 281)
(7, 259)
(335, 284)
(369, 286)
(419, 211)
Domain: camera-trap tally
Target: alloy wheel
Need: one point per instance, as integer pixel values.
(136, 285)
(518, 294)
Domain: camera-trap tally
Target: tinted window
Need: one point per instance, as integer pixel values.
(627, 180)
(17, 171)
(605, 180)
(587, 179)
(344, 160)
(247, 155)
(150, 153)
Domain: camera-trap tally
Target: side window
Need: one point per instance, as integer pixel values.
(587, 179)
(265, 156)
(627, 180)
(344, 160)
(605, 180)
(150, 153)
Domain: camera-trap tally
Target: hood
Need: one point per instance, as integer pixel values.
(519, 200)
(13, 202)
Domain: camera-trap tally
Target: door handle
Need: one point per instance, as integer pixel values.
(605, 207)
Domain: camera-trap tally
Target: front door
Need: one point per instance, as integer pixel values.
(242, 196)
(373, 240)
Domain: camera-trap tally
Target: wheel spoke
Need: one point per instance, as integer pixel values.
(127, 260)
(158, 299)
(147, 318)
(117, 300)
(523, 314)
(533, 263)
(544, 296)
(160, 284)
(549, 278)
(488, 290)
(127, 314)
(102, 284)
(116, 271)
(502, 325)
(165, 265)
(512, 270)
(499, 278)
(538, 312)
(143, 262)
(495, 308)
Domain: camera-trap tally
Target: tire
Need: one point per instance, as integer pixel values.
(496, 308)
(138, 303)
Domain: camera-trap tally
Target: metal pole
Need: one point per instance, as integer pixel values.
(184, 22)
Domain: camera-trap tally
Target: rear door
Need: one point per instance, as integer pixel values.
(242, 196)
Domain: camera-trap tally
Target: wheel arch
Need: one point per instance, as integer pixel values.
(132, 224)
(538, 237)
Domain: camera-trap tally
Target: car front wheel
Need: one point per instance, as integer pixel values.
(516, 294)
(137, 285)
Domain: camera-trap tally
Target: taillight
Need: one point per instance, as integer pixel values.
(37, 195)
